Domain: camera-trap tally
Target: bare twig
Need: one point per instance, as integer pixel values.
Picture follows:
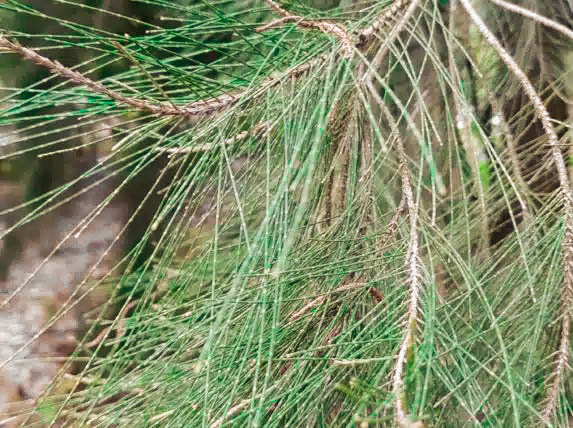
(413, 267)
(120, 326)
(310, 305)
(320, 299)
(261, 129)
(277, 7)
(239, 408)
(299, 20)
(560, 365)
(232, 412)
(550, 23)
(342, 362)
(325, 26)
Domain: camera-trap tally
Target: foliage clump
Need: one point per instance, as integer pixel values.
(365, 218)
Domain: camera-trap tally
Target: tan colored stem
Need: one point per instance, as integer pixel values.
(260, 129)
(414, 270)
(199, 108)
(321, 298)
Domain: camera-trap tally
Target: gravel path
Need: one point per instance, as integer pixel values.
(25, 377)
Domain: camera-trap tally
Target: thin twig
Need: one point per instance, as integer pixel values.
(277, 7)
(261, 129)
(232, 412)
(560, 365)
(414, 285)
(550, 23)
(306, 308)
(324, 26)
(342, 362)
(239, 408)
(320, 299)
(120, 326)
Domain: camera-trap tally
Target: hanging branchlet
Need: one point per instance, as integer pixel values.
(413, 266)
(327, 27)
(562, 356)
(472, 143)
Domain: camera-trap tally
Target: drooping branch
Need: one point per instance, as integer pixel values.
(199, 108)
(541, 112)
(473, 145)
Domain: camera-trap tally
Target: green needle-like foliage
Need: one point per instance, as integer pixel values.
(361, 217)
